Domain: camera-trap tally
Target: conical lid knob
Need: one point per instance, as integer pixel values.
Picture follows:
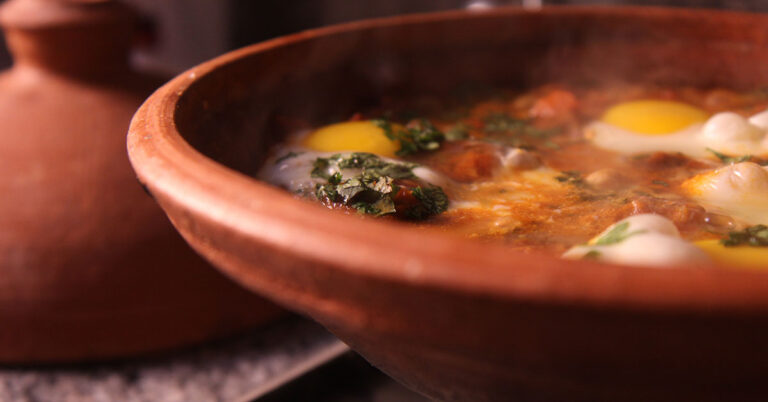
(87, 38)
(38, 13)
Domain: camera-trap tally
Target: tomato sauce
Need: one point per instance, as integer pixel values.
(544, 212)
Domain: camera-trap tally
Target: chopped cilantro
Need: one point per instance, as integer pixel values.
(366, 183)
(335, 178)
(320, 168)
(571, 177)
(326, 192)
(382, 206)
(289, 155)
(381, 184)
(433, 202)
(420, 135)
(592, 255)
(618, 234)
(457, 132)
(503, 123)
(729, 159)
(351, 188)
(660, 183)
(755, 236)
(358, 160)
(507, 130)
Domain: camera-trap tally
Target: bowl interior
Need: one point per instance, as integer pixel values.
(244, 103)
(513, 311)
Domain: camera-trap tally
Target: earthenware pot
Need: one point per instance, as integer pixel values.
(89, 266)
(452, 318)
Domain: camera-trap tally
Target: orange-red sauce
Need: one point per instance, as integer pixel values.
(535, 211)
(554, 218)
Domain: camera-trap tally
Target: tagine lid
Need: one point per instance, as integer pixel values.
(32, 14)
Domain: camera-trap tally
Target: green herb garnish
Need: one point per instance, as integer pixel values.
(512, 131)
(289, 155)
(373, 165)
(755, 236)
(571, 177)
(503, 123)
(660, 183)
(729, 159)
(321, 167)
(592, 255)
(618, 234)
(433, 202)
(457, 132)
(335, 178)
(366, 183)
(420, 135)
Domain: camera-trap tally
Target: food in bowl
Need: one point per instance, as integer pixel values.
(628, 174)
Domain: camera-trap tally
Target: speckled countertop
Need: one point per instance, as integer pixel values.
(227, 370)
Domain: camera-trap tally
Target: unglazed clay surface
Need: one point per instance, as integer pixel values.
(89, 266)
(455, 319)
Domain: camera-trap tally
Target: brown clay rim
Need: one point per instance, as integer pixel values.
(173, 170)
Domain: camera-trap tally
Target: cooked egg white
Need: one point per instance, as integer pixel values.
(760, 120)
(666, 126)
(291, 169)
(645, 239)
(739, 190)
(732, 134)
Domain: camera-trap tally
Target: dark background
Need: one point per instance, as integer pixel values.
(177, 34)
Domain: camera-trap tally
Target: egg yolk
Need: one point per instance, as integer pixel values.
(742, 256)
(653, 117)
(357, 136)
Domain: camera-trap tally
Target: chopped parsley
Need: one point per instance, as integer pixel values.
(729, 159)
(366, 183)
(618, 234)
(592, 255)
(433, 202)
(375, 166)
(457, 132)
(321, 167)
(503, 123)
(289, 155)
(755, 236)
(571, 177)
(419, 135)
(507, 130)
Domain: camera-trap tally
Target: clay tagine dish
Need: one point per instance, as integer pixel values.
(89, 266)
(455, 319)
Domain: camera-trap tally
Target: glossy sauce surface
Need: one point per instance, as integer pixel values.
(568, 190)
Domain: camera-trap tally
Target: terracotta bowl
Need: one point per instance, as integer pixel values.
(452, 318)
